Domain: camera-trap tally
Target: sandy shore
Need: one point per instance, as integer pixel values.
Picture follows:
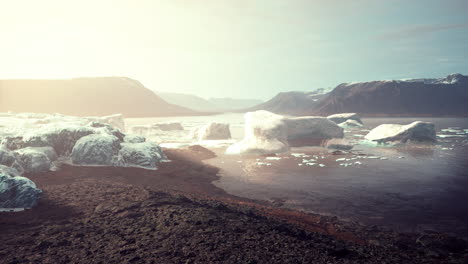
(176, 215)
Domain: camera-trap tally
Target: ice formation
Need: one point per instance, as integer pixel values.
(17, 192)
(268, 133)
(168, 126)
(96, 149)
(415, 132)
(343, 117)
(350, 123)
(34, 138)
(265, 133)
(36, 159)
(144, 154)
(212, 131)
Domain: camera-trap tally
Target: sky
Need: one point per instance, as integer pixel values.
(234, 48)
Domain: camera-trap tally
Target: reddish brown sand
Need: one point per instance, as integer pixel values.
(123, 215)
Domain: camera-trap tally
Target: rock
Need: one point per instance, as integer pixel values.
(96, 149)
(145, 154)
(311, 130)
(35, 160)
(339, 144)
(265, 133)
(134, 139)
(350, 124)
(268, 133)
(415, 132)
(18, 192)
(168, 126)
(340, 118)
(212, 131)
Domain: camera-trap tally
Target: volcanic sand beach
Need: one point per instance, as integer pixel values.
(176, 215)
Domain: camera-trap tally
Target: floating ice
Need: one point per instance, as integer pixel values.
(417, 131)
(268, 133)
(273, 158)
(322, 165)
(450, 136)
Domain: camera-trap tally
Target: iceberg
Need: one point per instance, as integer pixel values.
(18, 192)
(212, 131)
(168, 126)
(145, 155)
(268, 133)
(343, 117)
(350, 123)
(95, 150)
(415, 132)
(36, 160)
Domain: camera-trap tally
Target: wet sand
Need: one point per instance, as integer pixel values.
(176, 215)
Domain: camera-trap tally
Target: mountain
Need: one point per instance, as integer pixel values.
(211, 105)
(290, 103)
(190, 101)
(85, 97)
(414, 97)
(417, 97)
(234, 103)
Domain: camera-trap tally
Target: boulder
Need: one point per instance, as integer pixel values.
(268, 133)
(340, 118)
(212, 131)
(339, 144)
(415, 132)
(145, 155)
(134, 139)
(350, 123)
(311, 130)
(265, 133)
(35, 160)
(168, 126)
(18, 192)
(96, 149)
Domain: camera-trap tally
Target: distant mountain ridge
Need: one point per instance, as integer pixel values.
(86, 97)
(209, 105)
(446, 96)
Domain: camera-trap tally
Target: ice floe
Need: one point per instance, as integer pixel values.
(415, 132)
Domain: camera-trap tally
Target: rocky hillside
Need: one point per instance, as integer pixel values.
(85, 97)
(190, 101)
(207, 105)
(421, 97)
(417, 97)
(290, 103)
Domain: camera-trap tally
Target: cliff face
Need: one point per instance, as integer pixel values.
(419, 97)
(426, 97)
(85, 97)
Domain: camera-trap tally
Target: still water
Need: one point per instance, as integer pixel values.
(407, 188)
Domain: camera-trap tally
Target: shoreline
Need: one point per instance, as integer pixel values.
(74, 196)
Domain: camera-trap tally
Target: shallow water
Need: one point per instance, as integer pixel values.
(409, 188)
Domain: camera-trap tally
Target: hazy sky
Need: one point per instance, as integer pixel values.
(237, 48)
